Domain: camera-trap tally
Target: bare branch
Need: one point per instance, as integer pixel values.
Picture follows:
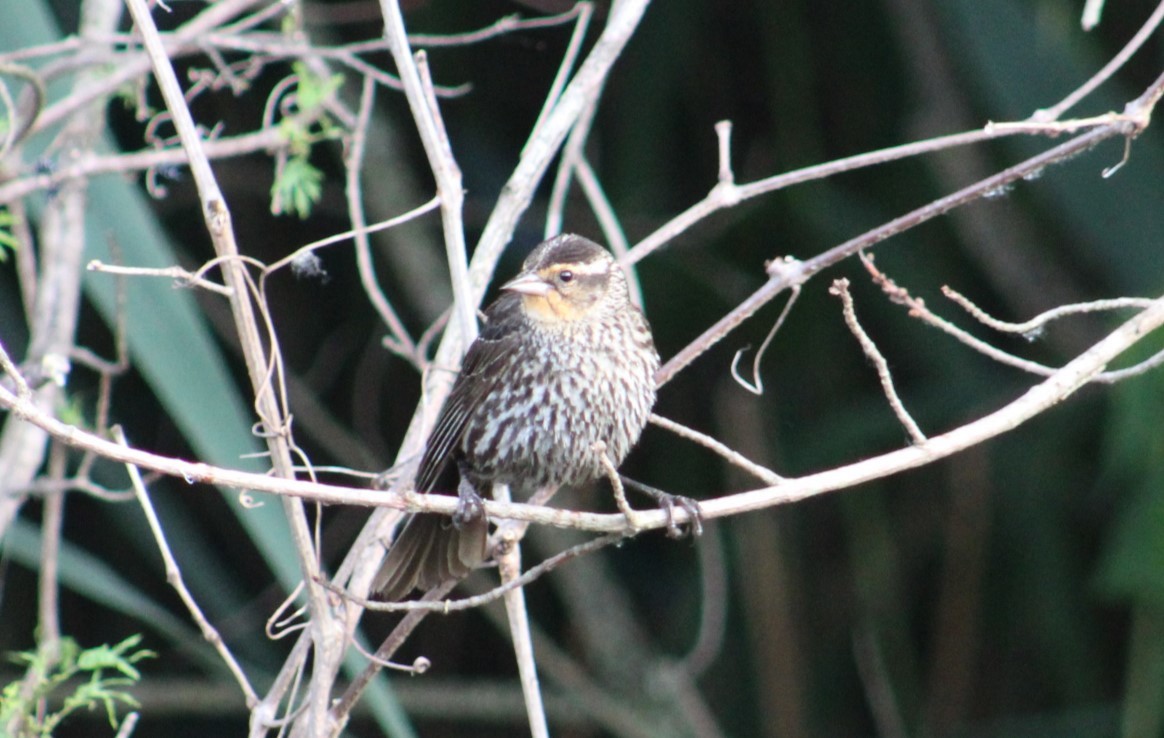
(468, 603)
(133, 67)
(1053, 390)
(1033, 327)
(633, 517)
(918, 309)
(760, 472)
(414, 74)
(174, 577)
(840, 288)
(354, 165)
(181, 277)
(508, 555)
(787, 277)
(1090, 19)
(328, 652)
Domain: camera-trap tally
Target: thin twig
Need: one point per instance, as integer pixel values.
(418, 88)
(508, 556)
(356, 232)
(327, 655)
(53, 48)
(608, 221)
(468, 603)
(633, 517)
(48, 589)
(12, 374)
(89, 164)
(18, 124)
(569, 58)
(45, 487)
(419, 665)
(840, 288)
(500, 27)
(723, 135)
(287, 618)
(343, 706)
(572, 153)
(354, 193)
(260, 16)
(128, 725)
(175, 580)
(787, 276)
(918, 309)
(1053, 390)
(733, 457)
(1118, 375)
(48, 594)
(1090, 18)
(182, 277)
(108, 370)
(1031, 328)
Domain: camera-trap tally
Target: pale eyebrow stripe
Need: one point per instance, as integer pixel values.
(592, 269)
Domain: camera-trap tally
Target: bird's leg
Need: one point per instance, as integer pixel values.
(470, 507)
(667, 503)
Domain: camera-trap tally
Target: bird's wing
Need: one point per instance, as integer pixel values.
(497, 339)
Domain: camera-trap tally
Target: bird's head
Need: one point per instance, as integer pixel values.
(569, 278)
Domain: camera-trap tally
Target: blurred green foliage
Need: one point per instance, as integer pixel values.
(74, 679)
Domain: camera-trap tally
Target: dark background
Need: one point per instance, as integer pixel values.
(1008, 591)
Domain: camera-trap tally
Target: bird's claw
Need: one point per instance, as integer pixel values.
(470, 506)
(469, 510)
(667, 503)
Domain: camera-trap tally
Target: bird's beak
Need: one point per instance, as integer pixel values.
(528, 284)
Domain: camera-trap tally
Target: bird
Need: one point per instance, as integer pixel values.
(563, 370)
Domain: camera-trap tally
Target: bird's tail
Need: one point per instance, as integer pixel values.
(429, 551)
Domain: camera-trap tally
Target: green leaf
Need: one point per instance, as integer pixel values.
(298, 188)
(313, 90)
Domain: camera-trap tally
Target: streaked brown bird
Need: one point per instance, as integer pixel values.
(564, 360)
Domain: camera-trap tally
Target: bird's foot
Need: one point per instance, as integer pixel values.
(667, 503)
(470, 506)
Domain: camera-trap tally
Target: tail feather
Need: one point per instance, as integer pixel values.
(429, 551)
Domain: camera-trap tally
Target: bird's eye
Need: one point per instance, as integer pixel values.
(565, 276)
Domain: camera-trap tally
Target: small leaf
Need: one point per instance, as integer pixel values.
(297, 189)
(314, 90)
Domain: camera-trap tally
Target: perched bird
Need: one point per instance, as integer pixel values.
(564, 360)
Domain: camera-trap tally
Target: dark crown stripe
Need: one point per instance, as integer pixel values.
(569, 248)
